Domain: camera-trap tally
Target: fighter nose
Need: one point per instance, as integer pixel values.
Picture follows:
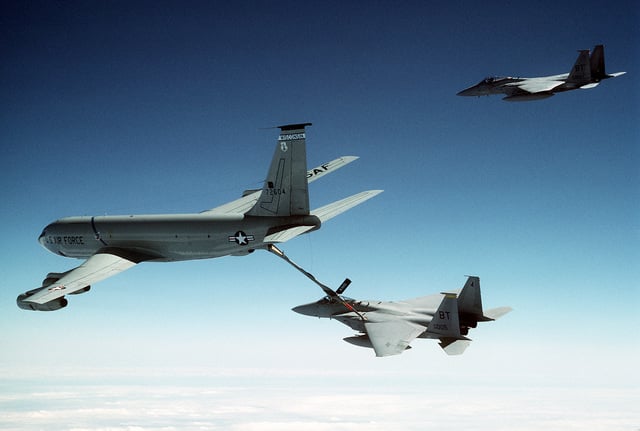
(467, 92)
(306, 309)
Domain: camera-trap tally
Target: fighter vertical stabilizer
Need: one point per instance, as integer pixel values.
(470, 298)
(598, 71)
(445, 322)
(470, 308)
(581, 71)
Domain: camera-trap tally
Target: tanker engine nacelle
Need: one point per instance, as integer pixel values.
(56, 304)
(52, 305)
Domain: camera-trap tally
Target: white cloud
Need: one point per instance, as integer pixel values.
(255, 401)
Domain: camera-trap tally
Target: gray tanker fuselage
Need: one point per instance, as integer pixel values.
(165, 237)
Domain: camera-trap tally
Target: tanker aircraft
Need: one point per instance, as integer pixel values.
(111, 244)
(389, 327)
(587, 72)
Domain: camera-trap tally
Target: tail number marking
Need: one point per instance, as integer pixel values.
(292, 137)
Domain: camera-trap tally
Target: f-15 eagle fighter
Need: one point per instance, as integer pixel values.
(587, 72)
(388, 327)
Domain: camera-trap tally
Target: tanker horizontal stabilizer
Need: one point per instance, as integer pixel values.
(287, 234)
(324, 213)
(246, 202)
(328, 212)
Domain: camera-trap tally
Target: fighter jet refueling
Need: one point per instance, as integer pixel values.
(111, 244)
(587, 72)
(388, 327)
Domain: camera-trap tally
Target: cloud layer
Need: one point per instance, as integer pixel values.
(260, 401)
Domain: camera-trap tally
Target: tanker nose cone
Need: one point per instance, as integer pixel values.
(42, 237)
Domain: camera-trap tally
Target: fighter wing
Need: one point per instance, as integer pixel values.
(245, 203)
(537, 85)
(98, 267)
(392, 337)
(323, 213)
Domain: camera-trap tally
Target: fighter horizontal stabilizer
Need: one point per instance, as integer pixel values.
(589, 86)
(496, 313)
(453, 347)
(392, 337)
(328, 212)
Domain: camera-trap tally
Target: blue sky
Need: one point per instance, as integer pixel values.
(155, 107)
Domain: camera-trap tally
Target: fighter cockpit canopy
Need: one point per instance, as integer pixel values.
(335, 300)
(494, 79)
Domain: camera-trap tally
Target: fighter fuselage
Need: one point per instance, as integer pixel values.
(372, 311)
(509, 86)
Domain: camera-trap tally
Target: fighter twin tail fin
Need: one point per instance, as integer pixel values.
(598, 71)
(470, 306)
(581, 70)
(588, 71)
